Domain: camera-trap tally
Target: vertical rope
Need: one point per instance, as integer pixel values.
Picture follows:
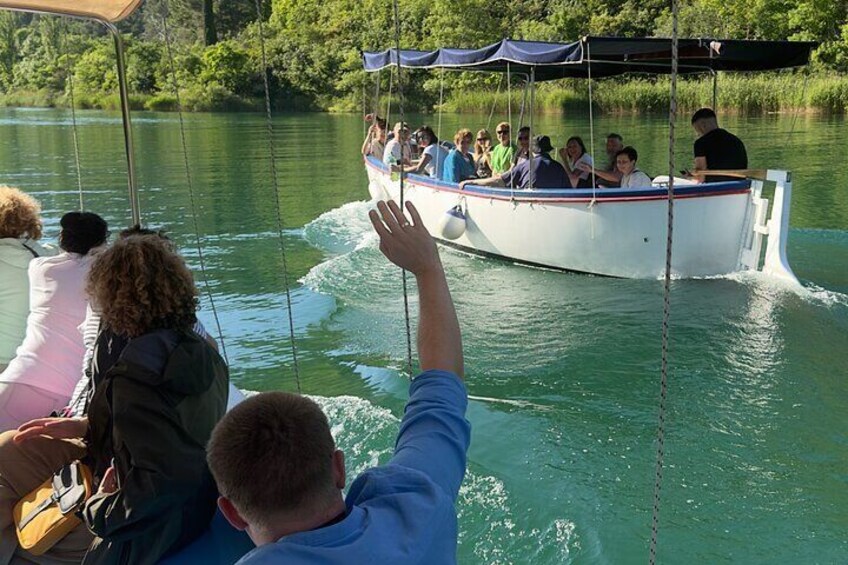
(69, 78)
(276, 182)
(403, 271)
(441, 101)
(591, 126)
(197, 241)
(530, 124)
(389, 103)
(509, 119)
(494, 103)
(672, 118)
(377, 95)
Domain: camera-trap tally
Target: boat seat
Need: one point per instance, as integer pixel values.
(221, 544)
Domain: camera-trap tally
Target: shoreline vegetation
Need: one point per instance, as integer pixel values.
(737, 94)
(313, 48)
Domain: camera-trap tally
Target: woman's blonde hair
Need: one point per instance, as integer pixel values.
(141, 284)
(479, 150)
(461, 134)
(20, 214)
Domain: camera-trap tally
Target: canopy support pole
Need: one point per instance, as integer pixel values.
(125, 115)
(592, 130)
(530, 125)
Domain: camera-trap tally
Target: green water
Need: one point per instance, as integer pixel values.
(564, 368)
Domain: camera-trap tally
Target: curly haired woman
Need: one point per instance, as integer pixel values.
(159, 389)
(41, 377)
(20, 227)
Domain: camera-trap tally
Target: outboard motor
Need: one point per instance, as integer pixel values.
(452, 224)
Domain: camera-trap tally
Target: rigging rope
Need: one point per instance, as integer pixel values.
(197, 240)
(591, 130)
(441, 101)
(400, 111)
(492, 111)
(69, 78)
(672, 118)
(276, 183)
(389, 102)
(509, 119)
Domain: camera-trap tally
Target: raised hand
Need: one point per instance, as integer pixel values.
(407, 245)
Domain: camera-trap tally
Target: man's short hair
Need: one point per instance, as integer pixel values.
(703, 114)
(271, 454)
(615, 136)
(630, 152)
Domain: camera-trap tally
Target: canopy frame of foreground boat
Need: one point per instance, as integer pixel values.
(106, 13)
(719, 227)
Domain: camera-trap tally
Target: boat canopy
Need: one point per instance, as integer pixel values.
(104, 10)
(607, 56)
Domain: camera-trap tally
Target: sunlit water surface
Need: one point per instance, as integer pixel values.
(563, 369)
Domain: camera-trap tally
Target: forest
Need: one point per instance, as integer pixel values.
(313, 53)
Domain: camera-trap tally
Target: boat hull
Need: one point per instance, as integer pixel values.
(619, 233)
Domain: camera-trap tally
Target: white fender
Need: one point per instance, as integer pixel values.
(452, 224)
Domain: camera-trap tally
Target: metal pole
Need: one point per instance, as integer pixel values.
(125, 115)
(530, 124)
(715, 91)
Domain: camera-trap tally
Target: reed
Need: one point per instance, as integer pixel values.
(745, 94)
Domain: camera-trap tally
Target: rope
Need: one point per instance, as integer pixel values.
(441, 101)
(494, 103)
(276, 183)
(403, 271)
(389, 103)
(377, 96)
(69, 78)
(197, 241)
(591, 123)
(672, 118)
(795, 116)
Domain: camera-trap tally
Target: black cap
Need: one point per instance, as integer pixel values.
(542, 144)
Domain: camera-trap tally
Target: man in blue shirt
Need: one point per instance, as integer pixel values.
(280, 475)
(540, 171)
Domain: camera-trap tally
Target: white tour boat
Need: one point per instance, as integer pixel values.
(719, 228)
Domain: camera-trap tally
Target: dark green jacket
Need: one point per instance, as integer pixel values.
(153, 411)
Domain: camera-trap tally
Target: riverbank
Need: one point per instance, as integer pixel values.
(737, 94)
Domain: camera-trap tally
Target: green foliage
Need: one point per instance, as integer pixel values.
(313, 50)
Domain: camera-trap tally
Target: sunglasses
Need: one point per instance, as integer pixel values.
(523, 138)
(502, 131)
(482, 139)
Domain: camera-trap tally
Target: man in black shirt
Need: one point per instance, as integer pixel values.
(716, 148)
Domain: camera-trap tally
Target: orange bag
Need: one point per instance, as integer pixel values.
(48, 513)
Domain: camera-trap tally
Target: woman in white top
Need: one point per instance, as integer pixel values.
(41, 377)
(571, 156)
(20, 228)
(625, 161)
(433, 155)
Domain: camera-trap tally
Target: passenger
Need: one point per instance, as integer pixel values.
(375, 141)
(716, 148)
(159, 389)
(397, 152)
(41, 377)
(459, 164)
(631, 177)
(292, 506)
(504, 151)
(522, 153)
(547, 173)
(571, 155)
(433, 155)
(91, 327)
(609, 176)
(483, 154)
(20, 230)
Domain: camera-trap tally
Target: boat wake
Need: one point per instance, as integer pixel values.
(807, 291)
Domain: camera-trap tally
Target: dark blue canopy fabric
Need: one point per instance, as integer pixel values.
(609, 56)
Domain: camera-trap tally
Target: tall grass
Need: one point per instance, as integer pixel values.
(745, 94)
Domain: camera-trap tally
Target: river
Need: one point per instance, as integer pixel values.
(563, 368)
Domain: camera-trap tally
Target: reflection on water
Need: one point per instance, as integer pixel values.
(564, 368)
